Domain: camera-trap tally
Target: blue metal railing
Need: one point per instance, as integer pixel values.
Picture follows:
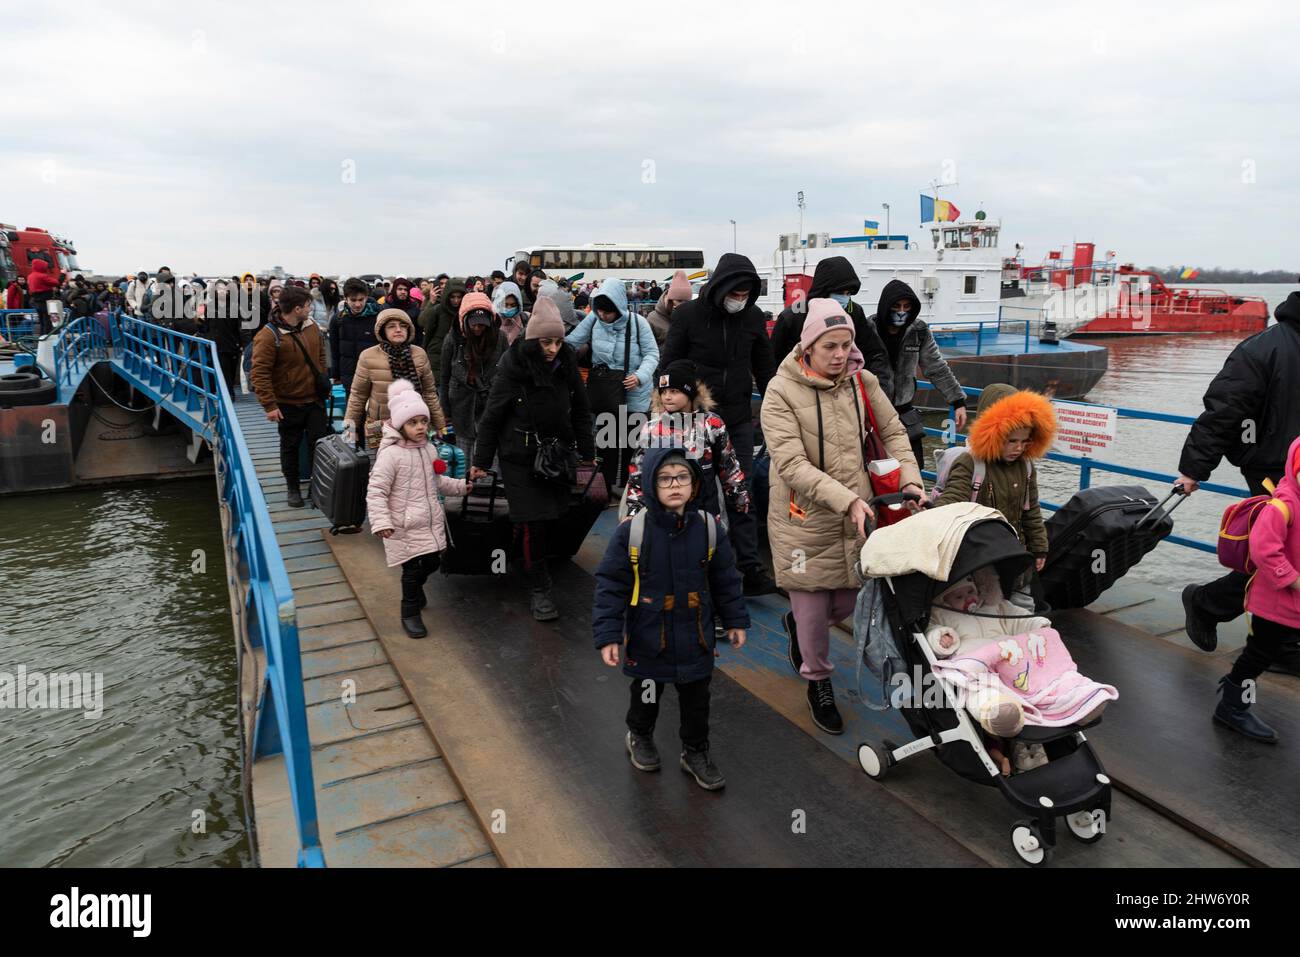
(180, 373)
(81, 343)
(17, 323)
(1088, 465)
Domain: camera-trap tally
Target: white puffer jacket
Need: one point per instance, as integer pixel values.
(403, 496)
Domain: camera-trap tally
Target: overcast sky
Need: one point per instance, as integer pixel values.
(412, 137)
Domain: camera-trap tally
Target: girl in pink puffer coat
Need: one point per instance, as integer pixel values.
(402, 499)
(1273, 600)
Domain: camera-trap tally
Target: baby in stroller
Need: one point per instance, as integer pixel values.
(1014, 668)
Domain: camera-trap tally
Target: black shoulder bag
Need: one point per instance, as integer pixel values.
(605, 389)
(554, 461)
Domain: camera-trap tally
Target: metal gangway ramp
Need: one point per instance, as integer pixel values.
(338, 768)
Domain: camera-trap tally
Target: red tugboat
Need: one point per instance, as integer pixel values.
(1130, 301)
(1149, 307)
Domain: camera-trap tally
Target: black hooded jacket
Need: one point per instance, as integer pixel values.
(910, 350)
(832, 275)
(1254, 396)
(731, 351)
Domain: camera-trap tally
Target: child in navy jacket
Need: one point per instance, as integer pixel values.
(656, 589)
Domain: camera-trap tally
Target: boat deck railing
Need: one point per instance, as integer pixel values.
(1087, 465)
(179, 373)
(16, 324)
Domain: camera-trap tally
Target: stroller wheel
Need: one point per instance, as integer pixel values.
(875, 761)
(1088, 827)
(1027, 840)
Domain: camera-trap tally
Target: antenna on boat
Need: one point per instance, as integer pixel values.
(802, 240)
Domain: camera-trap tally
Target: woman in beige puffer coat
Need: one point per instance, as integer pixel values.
(368, 398)
(814, 420)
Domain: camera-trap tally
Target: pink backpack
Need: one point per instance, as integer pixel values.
(1233, 546)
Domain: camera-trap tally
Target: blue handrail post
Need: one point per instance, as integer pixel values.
(1085, 476)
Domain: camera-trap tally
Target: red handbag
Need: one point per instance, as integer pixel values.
(883, 471)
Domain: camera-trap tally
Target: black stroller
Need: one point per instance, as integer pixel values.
(1072, 784)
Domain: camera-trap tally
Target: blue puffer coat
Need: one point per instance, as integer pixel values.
(607, 340)
(668, 635)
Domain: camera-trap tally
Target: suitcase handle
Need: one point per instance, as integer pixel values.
(1182, 497)
(492, 496)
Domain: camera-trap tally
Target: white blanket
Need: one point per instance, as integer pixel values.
(926, 542)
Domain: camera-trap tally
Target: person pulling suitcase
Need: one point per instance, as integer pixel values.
(402, 499)
(290, 382)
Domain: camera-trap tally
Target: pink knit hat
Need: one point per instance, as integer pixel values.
(404, 403)
(679, 290)
(823, 316)
(545, 322)
(474, 300)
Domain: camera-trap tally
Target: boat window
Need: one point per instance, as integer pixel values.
(969, 285)
(950, 239)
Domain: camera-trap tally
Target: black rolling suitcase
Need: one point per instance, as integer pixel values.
(590, 499)
(1097, 537)
(339, 478)
(478, 526)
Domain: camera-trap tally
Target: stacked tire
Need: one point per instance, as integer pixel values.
(26, 388)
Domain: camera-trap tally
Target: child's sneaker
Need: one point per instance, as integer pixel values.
(706, 774)
(641, 749)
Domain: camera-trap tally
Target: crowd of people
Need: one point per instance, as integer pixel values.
(660, 385)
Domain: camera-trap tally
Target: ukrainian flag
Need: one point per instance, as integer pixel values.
(938, 211)
(870, 227)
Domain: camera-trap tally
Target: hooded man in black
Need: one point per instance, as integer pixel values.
(835, 279)
(725, 334)
(909, 344)
(1253, 395)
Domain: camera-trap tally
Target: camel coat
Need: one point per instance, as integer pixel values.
(373, 377)
(814, 542)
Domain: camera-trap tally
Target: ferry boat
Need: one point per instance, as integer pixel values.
(1085, 297)
(956, 273)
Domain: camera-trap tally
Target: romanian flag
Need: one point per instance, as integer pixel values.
(1189, 273)
(870, 227)
(938, 210)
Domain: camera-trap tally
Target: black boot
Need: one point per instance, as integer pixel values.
(1288, 662)
(412, 623)
(1200, 629)
(641, 749)
(294, 497)
(1234, 711)
(794, 654)
(821, 704)
(698, 766)
(757, 582)
(539, 581)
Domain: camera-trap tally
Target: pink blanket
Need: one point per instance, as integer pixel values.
(1037, 671)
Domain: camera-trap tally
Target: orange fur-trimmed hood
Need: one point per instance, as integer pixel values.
(1006, 411)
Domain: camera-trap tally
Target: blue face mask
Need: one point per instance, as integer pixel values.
(898, 318)
(842, 298)
(509, 313)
